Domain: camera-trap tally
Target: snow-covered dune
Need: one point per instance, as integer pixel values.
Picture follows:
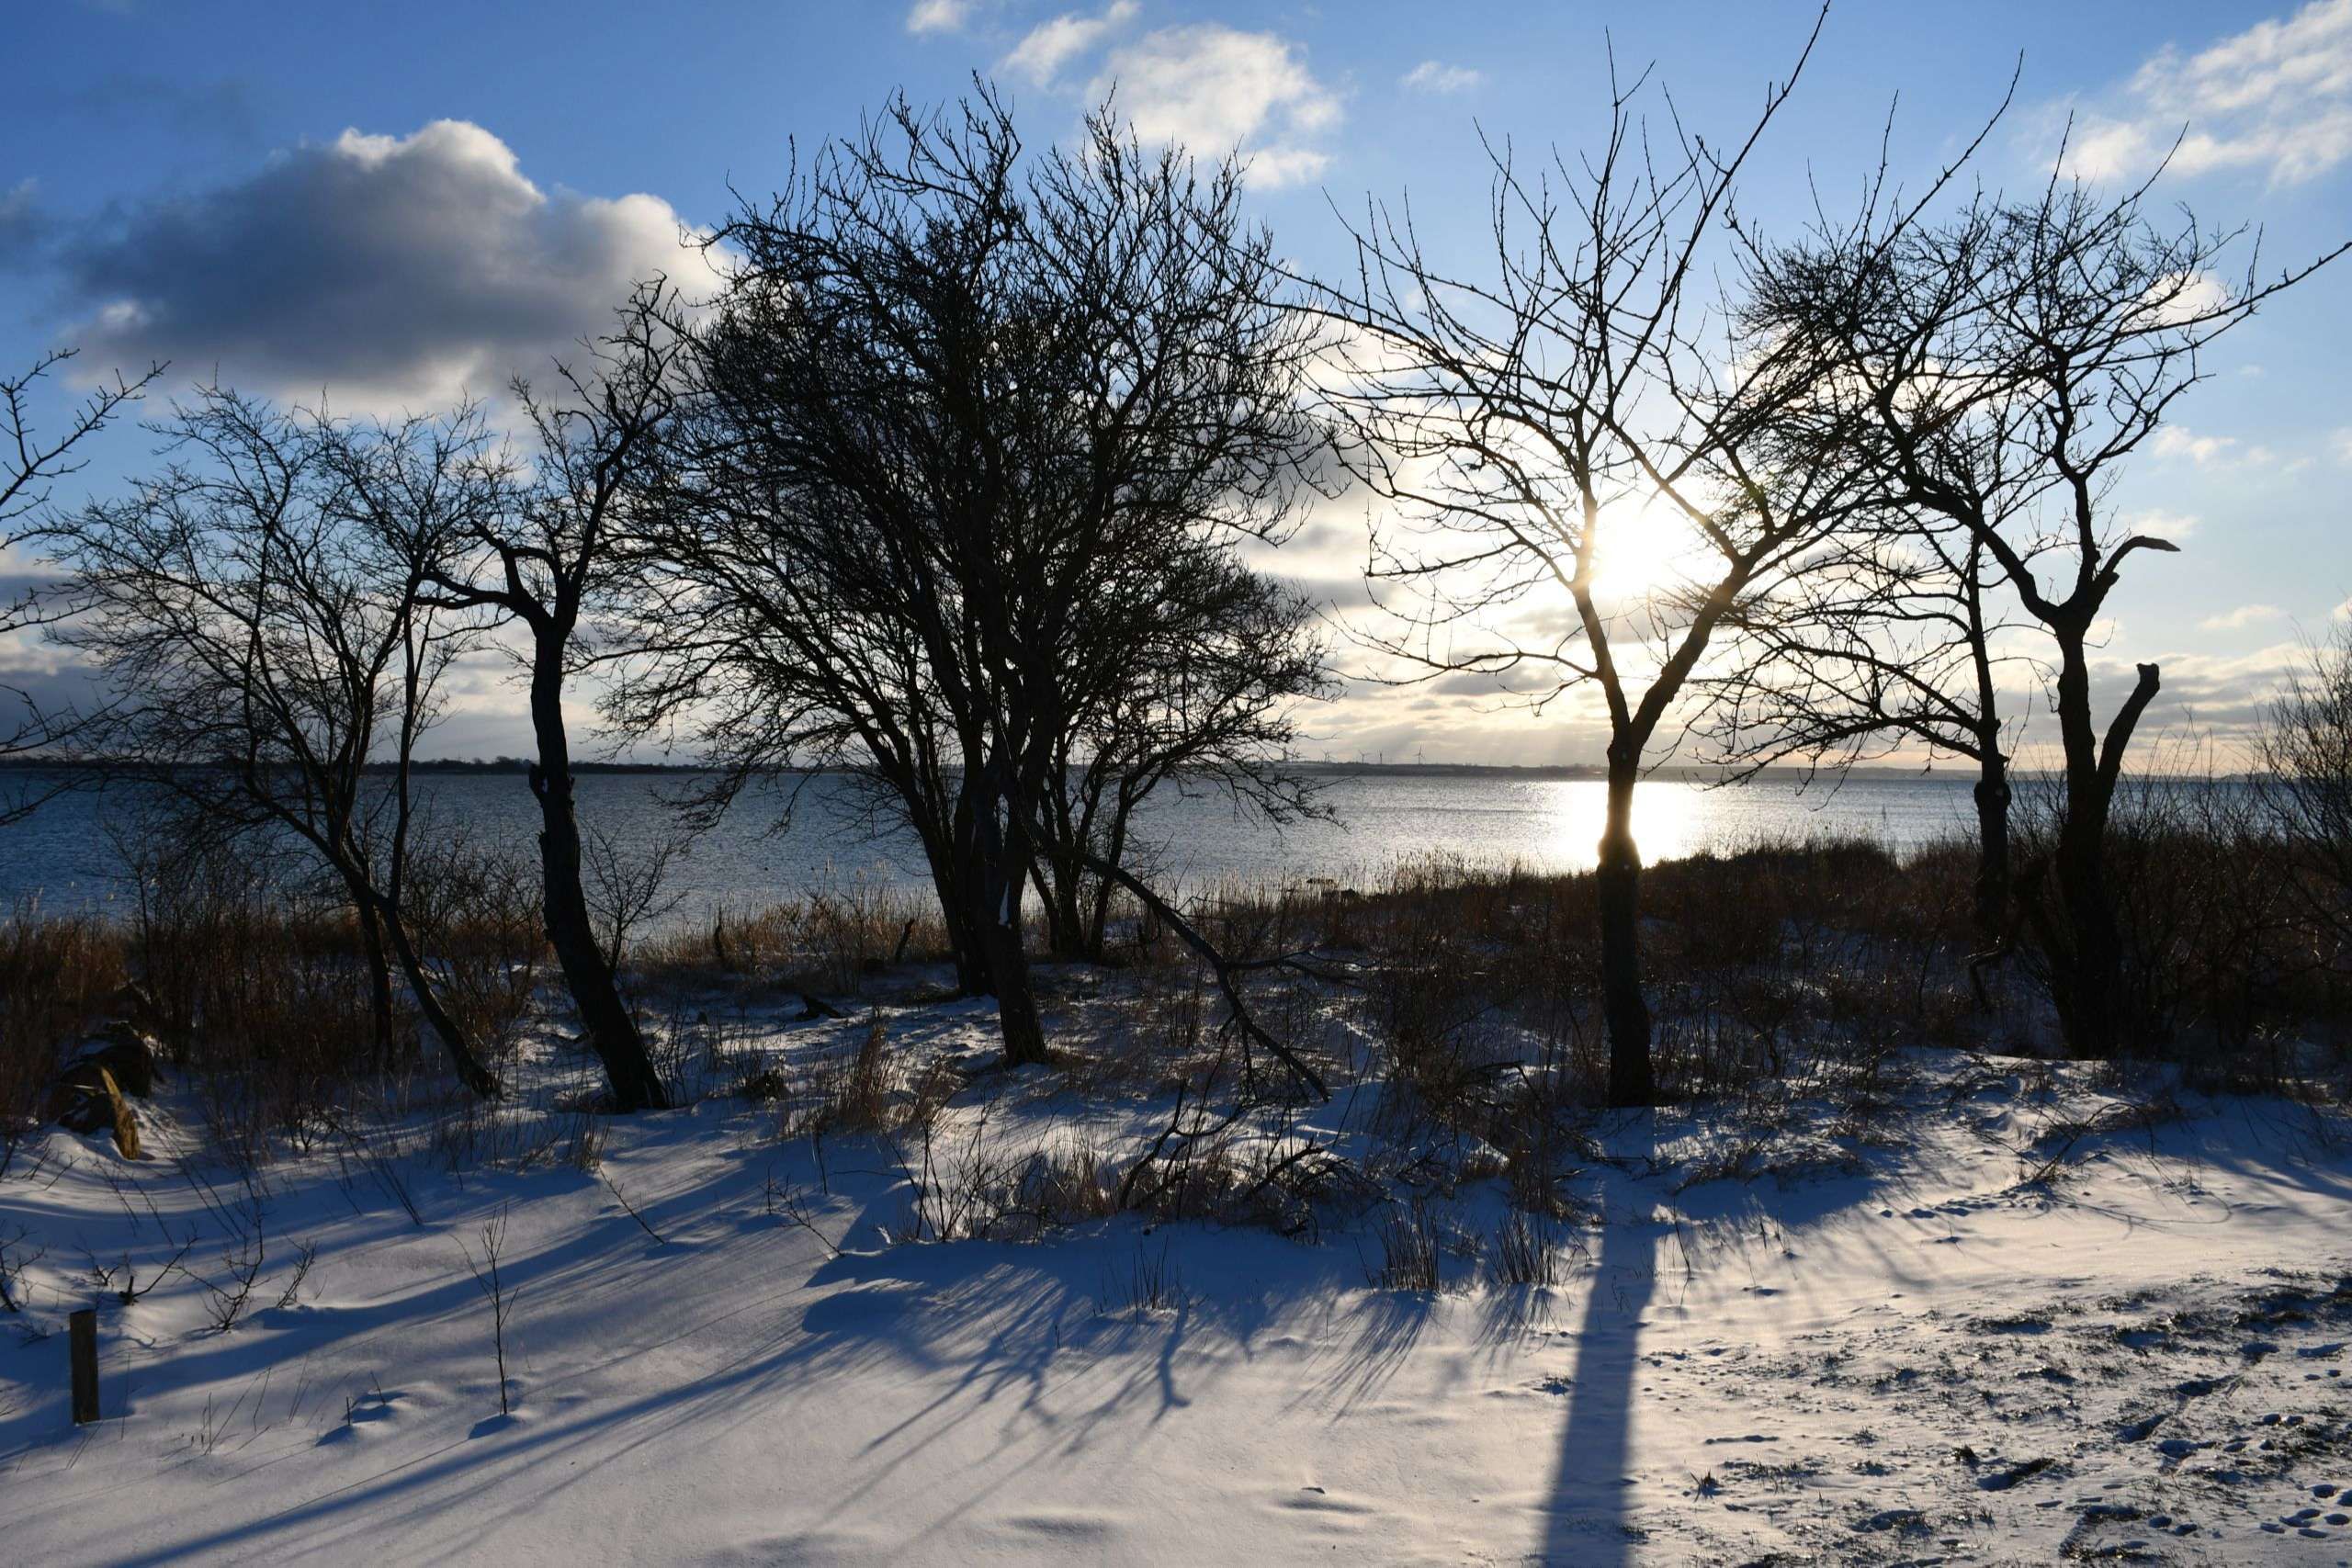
(1911, 1351)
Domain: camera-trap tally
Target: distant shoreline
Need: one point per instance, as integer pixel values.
(1532, 772)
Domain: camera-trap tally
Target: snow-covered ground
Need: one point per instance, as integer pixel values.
(1903, 1349)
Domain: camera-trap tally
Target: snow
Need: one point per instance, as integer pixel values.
(1901, 1349)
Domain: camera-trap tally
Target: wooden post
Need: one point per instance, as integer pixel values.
(82, 1335)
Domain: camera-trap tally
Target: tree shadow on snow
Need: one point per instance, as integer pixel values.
(1588, 1518)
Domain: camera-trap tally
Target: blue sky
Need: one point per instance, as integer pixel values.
(178, 178)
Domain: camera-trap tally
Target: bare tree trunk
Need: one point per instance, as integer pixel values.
(1065, 925)
(1991, 887)
(1624, 1012)
(2086, 958)
(1098, 920)
(470, 1068)
(959, 872)
(612, 1033)
(380, 969)
(1994, 891)
(949, 858)
(997, 920)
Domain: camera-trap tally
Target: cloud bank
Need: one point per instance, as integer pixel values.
(2276, 99)
(385, 270)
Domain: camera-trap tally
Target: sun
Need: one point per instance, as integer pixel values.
(1639, 552)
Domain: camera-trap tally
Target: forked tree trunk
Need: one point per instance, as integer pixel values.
(612, 1033)
(947, 880)
(1097, 915)
(1059, 890)
(2086, 957)
(1624, 1014)
(996, 918)
(957, 872)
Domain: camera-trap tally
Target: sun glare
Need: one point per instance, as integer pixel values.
(1639, 553)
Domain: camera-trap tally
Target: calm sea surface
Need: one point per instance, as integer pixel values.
(64, 857)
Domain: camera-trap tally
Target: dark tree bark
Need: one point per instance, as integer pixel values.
(1625, 1011)
(1990, 891)
(604, 1018)
(380, 969)
(537, 550)
(2085, 947)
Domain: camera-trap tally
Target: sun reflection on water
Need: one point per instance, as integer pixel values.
(1668, 820)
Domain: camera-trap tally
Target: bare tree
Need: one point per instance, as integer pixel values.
(1583, 392)
(2007, 362)
(2306, 785)
(1887, 640)
(1195, 692)
(539, 555)
(30, 466)
(965, 430)
(266, 655)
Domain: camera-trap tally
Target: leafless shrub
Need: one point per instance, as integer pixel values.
(627, 886)
(18, 1252)
(582, 1142)
(496, 1291)
(964, 1189)
(1409, 1249)
(631, 1210)
(122, 1282)
(1152, 1283)
(243, 1259)
(2306, 788)
(1526, 1251)
(57, 975)
(867, 1091)
(292, 1294)
(1065, 1184)
(476, 914)
(759, 1080)
(829, 940)
(381, 1159)
(782, 1201)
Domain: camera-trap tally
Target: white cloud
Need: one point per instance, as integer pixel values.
(2181, 297)
(927, 16)
(1213, 88)
(2180, 441)
(2161, 525)
(1434, 76)
(2342, 441)
(385, 270)
(2274, 98)
(1046, 48)
(2244, 615)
